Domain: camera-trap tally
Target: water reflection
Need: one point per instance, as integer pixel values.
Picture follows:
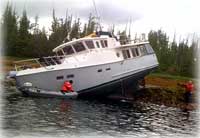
(57, 117)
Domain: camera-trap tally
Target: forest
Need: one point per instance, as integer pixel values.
(23, 38)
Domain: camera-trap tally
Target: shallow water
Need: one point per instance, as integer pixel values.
(27, 116)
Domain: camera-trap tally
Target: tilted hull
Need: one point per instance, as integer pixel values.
(91, 79)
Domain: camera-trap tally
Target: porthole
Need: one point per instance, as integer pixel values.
(99, 70)
(59, 77)
(70, 76)
(118, 55)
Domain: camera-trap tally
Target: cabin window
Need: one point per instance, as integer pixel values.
(79, 47)
(118, 55)
(135, 52)
(126, 54)
(106, 43)
(59, 77)
(97, 43)
(89, 44)
(60, 53)
(149, 48)
(102, 43)
(70, 76)
(143, 50)
(107, 69)
(68, 50)
(99, 70)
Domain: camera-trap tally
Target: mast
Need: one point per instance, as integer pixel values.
(97, 16)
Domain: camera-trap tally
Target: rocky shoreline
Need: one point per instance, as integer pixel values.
(168, 96)
(164, 96)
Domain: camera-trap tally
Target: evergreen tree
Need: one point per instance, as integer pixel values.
(91, 25)
(75, 33)
(60, 31)
(23, 44)
(10, 30)
(84, 32)
(39, 41)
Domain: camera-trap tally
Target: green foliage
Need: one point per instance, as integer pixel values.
(168, 76)
(88, 27)
(10, 30)
(75, 32)
(173, 58)
(24, 36)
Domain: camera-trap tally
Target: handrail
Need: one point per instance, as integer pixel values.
(26, 60)
(42, 62)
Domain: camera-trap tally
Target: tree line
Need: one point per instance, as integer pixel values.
(174, 58)
(25, 39)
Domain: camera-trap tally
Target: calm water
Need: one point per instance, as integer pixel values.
(26, 116)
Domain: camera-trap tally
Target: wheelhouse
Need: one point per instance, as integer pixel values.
(83, 45)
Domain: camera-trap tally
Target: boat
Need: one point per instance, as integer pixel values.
(97, 64)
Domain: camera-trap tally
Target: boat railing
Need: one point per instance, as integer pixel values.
(38, 62)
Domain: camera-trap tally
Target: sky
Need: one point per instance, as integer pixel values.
(172, 16)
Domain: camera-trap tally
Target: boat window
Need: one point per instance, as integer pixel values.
(99, 70)
(57, 60)
(60, 53)
(102, 43)
(90, 44)
(68, 50)
(149, 48)
(70, 76)
(135, 52)
(106, 43)
(59, 77)
(79, 47)
(107, 69)
(126, 54)
(118, 55)
(97, 43)
(143, 50)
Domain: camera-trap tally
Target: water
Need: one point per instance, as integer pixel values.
(36, 117)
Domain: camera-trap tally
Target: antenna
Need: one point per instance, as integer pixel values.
(98, 17)
(129, 34)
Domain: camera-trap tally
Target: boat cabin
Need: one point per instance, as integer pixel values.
(114, 51)
(84, 45)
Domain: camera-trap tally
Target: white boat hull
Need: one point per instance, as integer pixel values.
(87, 78)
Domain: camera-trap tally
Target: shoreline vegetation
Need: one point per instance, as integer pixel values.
(161, 88)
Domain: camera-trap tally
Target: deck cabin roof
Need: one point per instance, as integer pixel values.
(135, 44)
(76, 41)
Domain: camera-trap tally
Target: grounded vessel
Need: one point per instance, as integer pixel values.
(97, 64)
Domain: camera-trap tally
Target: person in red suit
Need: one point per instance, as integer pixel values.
(189, 89)
(67, 87)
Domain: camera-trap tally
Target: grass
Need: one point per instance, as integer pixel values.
(168, 76)
(8, 64)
